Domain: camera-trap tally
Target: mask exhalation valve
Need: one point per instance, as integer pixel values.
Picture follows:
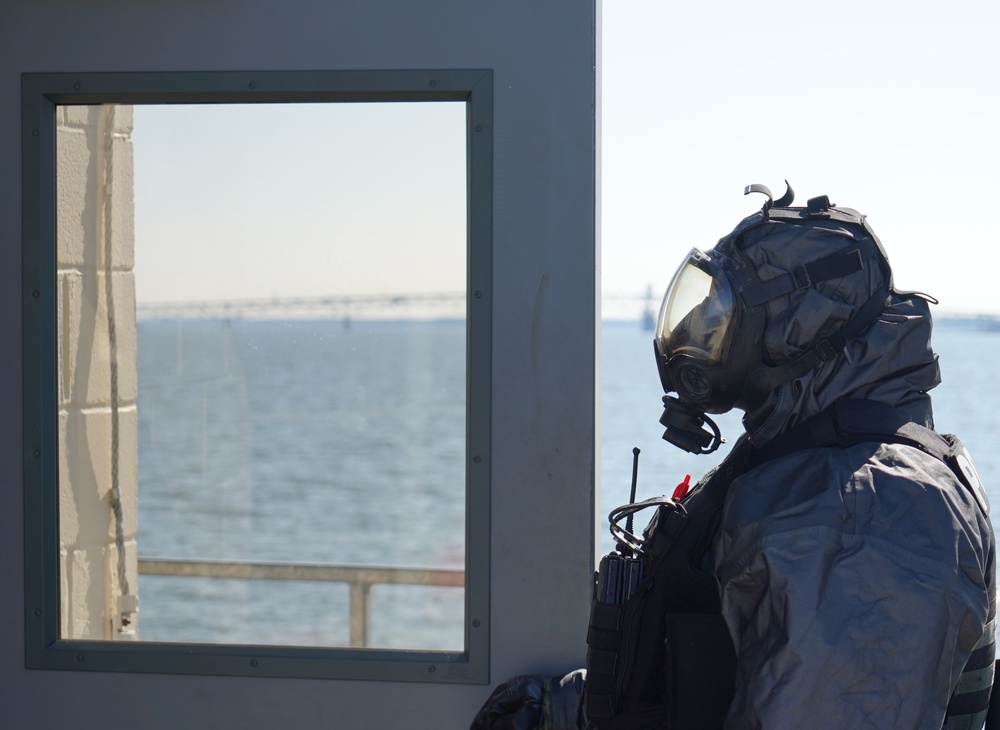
(685, 427)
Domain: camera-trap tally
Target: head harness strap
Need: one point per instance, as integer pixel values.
(834, 266)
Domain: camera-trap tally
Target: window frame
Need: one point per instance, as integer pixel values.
(44, 649)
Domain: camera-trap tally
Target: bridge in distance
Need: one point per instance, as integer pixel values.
(352, 306)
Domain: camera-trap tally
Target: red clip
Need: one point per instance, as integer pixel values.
(682, 488)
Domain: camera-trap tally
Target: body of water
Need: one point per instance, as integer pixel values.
(308, 442)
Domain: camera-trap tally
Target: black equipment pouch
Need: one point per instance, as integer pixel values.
(659, 654)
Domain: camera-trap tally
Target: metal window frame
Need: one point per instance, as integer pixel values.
(40, 94)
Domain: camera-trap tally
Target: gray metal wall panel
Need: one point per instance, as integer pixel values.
(544, 456)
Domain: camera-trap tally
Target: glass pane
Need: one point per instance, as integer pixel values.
(263, 373)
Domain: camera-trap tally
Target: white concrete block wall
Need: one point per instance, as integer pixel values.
(92, 173)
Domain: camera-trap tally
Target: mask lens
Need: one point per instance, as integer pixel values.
(697, 311)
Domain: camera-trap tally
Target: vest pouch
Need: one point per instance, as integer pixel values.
(626, 688)
(701, 670)
(663, 658)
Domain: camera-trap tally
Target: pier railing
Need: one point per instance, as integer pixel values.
(360, 579)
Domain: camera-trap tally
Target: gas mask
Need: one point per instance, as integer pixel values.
(703, 350)
(708, 338)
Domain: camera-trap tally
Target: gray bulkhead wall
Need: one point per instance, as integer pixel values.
(545, 285)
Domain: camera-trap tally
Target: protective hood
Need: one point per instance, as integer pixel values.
(891, 360)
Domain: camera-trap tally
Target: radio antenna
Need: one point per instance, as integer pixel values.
(635, 478)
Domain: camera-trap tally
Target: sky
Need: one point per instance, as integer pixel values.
(889, 107)
(249, 201)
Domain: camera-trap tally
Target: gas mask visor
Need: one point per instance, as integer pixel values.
(696, 316)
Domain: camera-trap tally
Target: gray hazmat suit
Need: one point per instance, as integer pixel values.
(856, 581)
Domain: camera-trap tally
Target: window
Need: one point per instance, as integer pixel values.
(257, 373)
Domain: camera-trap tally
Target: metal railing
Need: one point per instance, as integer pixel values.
(360, 579)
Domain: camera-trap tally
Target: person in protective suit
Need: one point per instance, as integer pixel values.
(853, 557)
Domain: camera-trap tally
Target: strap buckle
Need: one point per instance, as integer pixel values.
(826, 350)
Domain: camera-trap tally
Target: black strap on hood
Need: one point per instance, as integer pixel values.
(785, 200)
(834, 266)
(768, 378)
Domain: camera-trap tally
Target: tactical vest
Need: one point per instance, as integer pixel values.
(659, 653)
